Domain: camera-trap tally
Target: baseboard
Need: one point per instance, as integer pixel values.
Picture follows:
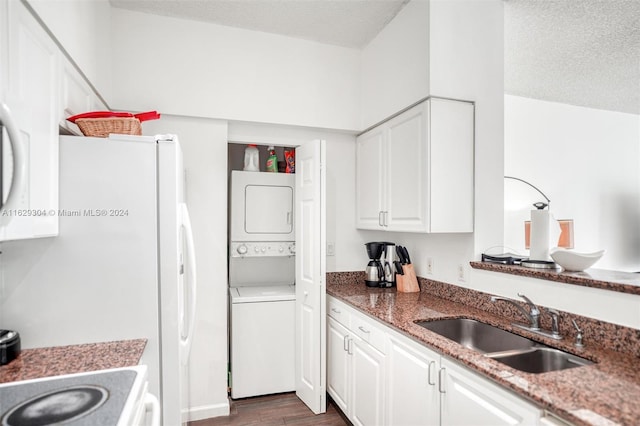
(206, 412)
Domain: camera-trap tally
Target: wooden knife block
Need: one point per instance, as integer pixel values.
(407, 283)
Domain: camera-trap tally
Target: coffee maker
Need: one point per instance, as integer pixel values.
(380, 269)
(374, 271)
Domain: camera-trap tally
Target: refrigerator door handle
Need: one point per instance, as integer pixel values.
(19, 179)
(191, 275)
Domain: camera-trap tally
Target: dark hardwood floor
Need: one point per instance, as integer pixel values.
(280, 409)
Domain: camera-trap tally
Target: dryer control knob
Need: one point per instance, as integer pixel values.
(281, 249)
(264, 249)
(242, 249)
(256, 249)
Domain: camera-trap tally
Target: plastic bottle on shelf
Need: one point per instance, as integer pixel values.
(272, 160)
(251, 159)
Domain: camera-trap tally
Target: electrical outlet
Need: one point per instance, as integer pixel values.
(331, 249)
(430, 265)
(461, 273)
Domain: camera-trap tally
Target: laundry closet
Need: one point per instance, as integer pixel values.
(261, 273)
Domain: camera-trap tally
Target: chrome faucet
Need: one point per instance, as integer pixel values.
(555, 323)
(533, 315)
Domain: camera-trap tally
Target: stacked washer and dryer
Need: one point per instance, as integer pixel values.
(262, 283)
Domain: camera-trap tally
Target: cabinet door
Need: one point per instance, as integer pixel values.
(370, 151)
(367, 383)
(76, 96)
(4, 50)
(412, 395)
(338, 364)
(407, 182)
(468, 399)
(33, 97)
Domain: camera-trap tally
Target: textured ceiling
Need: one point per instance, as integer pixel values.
(579, 52)
(349, 23)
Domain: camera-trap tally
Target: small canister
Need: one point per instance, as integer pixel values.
(9, 346)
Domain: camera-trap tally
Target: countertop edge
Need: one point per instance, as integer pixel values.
(57, 360)
(623, 282)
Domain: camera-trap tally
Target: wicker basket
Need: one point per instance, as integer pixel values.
(102, 127)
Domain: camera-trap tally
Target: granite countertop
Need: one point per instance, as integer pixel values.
(624, 282)
(604, 393)
(58, 360)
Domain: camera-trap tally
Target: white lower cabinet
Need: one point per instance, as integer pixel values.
(468, 399)
(412, 372)
(338, 361)
(367, 383)
(356, 369)
(406, 383)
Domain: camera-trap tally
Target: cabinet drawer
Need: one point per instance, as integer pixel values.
(339, 311)
(369, 331)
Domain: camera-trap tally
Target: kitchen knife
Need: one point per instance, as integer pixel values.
(398, 267)
(406, 255)
(399, 251)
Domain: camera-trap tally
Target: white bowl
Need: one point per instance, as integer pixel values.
(573, 261)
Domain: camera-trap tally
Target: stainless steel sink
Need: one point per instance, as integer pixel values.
(541, 360)
(509, 348)
(477, 335)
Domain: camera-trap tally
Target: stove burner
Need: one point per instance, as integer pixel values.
(59, 406)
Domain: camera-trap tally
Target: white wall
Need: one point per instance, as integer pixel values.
(84, 29)
(587, 161)
(204, 70)
(604, 305)
(204, 145)
(467, 62)
(395, 65)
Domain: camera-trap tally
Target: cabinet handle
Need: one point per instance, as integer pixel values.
(335, 310)
(441, 380)
(386, 218)
(380, 223)
(431, 364)
(364, 330)
(350, 346)
(345, 344)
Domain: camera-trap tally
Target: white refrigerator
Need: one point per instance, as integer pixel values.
(123, 265)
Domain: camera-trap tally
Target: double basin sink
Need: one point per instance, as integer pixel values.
(508, 348)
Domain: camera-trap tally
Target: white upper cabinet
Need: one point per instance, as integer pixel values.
(370, 148)
(76, 96)
(406, 164)
(4, 49)
(31, 93)
(414, 172)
